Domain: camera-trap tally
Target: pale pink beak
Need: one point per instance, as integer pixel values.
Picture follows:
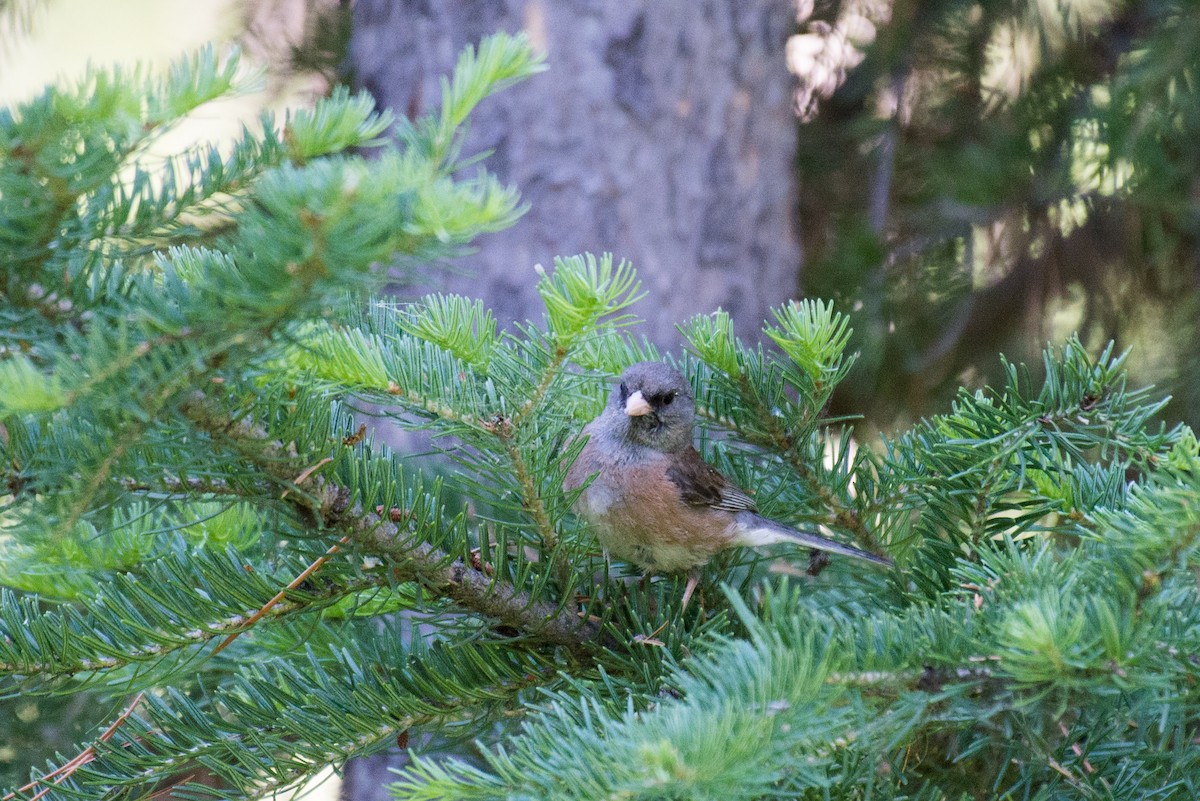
(636, 405)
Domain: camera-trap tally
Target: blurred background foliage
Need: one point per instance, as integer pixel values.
(977, 177)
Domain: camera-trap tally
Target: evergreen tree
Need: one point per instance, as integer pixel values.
(200, 532)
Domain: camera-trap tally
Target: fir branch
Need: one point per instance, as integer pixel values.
(531, 499)
(81, 501)
(470, 588)
(843, 515)
(741, 711)
(123, 353)
(776, 438)
(117, 630)
(552, 370)
(281, 721)
(331, 507)
(188, 489)
(895, 682)
(270, 605)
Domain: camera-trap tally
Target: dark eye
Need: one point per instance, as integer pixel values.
(667, 398)
(624, 390)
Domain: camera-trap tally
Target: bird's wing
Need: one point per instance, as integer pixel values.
(701, 484)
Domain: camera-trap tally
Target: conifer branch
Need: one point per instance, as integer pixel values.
(159, 648)
(189, 488)
(434, 569)
(82, 502)
(894, 682)
(467, 586)
(778, 440)
(532, 498)
(558, 358)
(534, 505)
(844, 516)
(236, 746)
(279, 596)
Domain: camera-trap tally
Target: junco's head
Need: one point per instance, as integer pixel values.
(652, 406)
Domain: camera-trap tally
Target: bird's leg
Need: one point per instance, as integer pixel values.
(693, 580)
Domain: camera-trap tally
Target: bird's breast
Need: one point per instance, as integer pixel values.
(639, 516)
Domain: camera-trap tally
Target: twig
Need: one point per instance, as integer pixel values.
(296, 582)
(777, 437)
(533, 501)
(85, 756)
(187, 488)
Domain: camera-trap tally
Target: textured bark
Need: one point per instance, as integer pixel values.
(662, 133)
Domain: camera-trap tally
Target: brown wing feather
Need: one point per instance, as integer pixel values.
(701, 484)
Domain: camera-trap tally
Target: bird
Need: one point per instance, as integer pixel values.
(650, 496)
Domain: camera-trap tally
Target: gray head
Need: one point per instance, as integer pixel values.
(652, 406)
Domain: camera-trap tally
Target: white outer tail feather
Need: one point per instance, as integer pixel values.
(754, 530)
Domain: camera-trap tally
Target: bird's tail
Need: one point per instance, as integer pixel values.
(754, 529)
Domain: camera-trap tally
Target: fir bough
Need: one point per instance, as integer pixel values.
(182, 439)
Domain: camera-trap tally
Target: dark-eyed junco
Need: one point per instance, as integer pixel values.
(654, 501)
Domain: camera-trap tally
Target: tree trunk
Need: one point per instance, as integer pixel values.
(663, 133)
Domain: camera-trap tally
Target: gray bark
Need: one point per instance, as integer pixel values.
(662, 132)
